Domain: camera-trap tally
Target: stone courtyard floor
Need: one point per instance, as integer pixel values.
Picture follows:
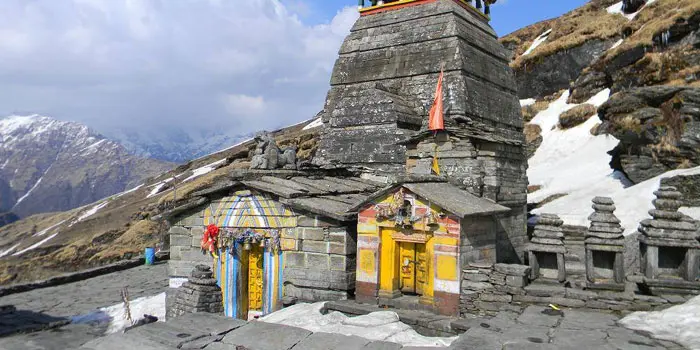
(529, 327)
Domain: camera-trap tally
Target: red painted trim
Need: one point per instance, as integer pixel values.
(391, 8)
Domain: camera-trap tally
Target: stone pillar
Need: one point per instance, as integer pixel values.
(547, 239)
(605, 237)
(199, 294)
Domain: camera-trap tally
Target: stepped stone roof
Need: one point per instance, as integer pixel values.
(668, 226)
(327, 194)
(548, 235)
(446, 196)
(605, 227)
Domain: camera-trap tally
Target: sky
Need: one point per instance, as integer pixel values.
(198, 66)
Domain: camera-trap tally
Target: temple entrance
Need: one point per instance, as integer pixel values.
(255, 279)
(413, 268)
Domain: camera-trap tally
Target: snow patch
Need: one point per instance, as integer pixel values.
(176, 282)
(617, 8)
(44, 231)
(9, 250)
(156, 189)
(381, 325)
(315, 124)
(538, 41)
(90, 212)
(35, 245)
(678, 323)
(616, 44)
(527, 102)
(115, 315)
(203, 170)
(127, 191)
(28, 192)
(575, 164)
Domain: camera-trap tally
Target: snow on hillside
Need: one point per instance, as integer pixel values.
(382, 325)
(538, 41)
(575, 163)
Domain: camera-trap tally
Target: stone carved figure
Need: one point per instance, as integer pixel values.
(268, 155)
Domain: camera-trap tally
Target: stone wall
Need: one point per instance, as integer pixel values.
(318, 255)
(488, 288)
(319, 259)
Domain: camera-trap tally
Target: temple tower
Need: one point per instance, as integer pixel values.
(382, 88)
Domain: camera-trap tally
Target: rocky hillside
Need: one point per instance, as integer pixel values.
(48, 165)
(628, 72)
(121, 225)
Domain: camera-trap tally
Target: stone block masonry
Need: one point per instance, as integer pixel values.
(487, 289)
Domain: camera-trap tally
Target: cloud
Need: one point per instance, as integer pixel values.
(237, 66)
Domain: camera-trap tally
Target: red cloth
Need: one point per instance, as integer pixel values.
(209, 238)
(436, 121)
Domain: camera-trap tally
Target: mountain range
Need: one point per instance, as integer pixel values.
(48, 165)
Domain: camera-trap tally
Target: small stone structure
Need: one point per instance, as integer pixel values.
(199, 294)
(605, 246)
(546, 249)
(268, 155)
(669, 247)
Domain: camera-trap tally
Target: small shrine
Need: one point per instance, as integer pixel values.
(199, 294)
(546, 249)
(414, 239)
(605, 246)
(669, 247)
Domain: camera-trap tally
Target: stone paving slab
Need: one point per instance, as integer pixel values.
(382, 345)
(324, 341)
(266, 336)
(123, 341)
(207, 323)
(166, 334)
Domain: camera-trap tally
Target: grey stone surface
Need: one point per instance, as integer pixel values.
(382, 345)
(266, 336)
(322, 341)
(206, 323)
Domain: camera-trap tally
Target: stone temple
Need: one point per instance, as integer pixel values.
(383, 85)
(388, 213)
(385, 211)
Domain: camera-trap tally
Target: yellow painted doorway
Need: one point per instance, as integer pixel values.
(255, 279)
(413, 268)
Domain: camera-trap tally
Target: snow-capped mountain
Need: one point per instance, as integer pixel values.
(48, 165)
(174, 145)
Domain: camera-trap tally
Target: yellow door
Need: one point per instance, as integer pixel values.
(421, 269)
(407, 257)
(255, 278)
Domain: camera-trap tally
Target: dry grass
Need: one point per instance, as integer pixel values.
(532, 132)
(531, 111)
(183, 190)
(576, 116)
(533, 188)
(140, 235)
(627, 123)
(672, 126)
(591, 21)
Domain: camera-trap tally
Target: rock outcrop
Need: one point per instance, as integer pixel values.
(658, 128)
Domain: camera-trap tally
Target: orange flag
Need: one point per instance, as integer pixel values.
(436, 121)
